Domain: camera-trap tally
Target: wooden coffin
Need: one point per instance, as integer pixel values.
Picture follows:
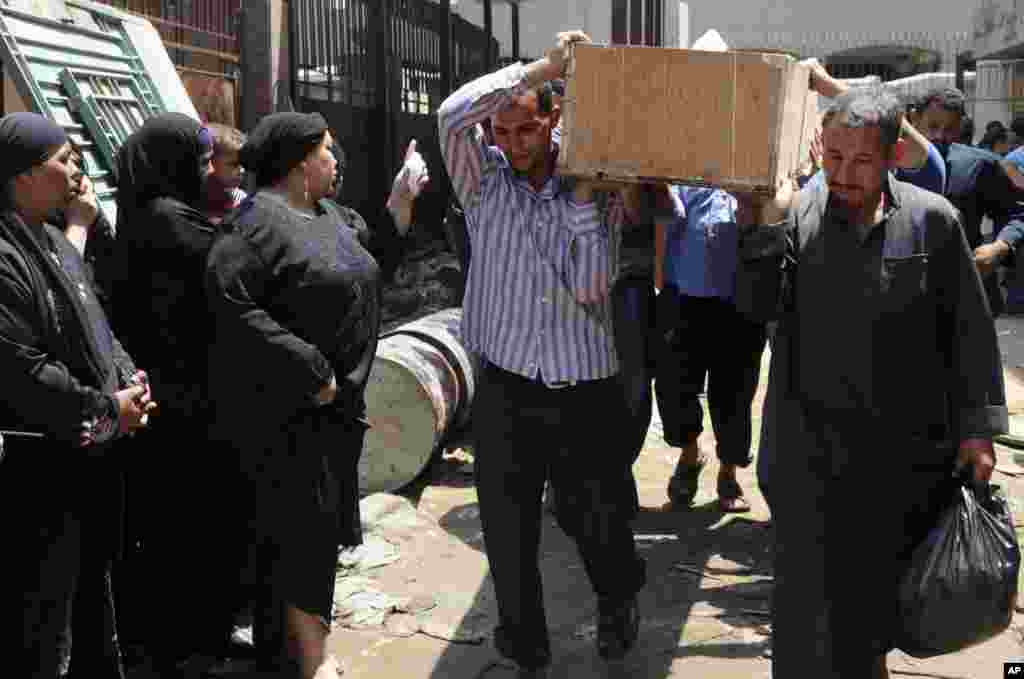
(734, 120)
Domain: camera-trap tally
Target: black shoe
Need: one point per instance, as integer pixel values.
(618, 628)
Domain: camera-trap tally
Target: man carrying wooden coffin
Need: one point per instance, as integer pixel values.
(885, 377)
(537, 310)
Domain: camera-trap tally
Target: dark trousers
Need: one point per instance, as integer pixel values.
(184, 531)
(633, 302)
(527, 433)
(706, 338)
(56, 606)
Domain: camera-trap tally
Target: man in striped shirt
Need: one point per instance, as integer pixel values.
(537, 310)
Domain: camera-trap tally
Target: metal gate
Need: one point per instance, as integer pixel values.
(378, 70)
(201, 37)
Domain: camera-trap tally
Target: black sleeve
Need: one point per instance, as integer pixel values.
(236, 282)
(765, 269)
(38, 389)
(969, 340)
(1003, 203)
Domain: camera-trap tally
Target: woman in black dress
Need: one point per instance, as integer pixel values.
(67, 391)
(161, 314)
(295, 298)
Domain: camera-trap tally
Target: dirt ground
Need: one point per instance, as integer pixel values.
(705, 608)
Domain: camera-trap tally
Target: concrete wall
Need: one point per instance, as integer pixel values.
(812, 27)
(820, 27)
(540, 20)
(822, 19)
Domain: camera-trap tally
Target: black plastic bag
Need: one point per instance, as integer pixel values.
(961, 587)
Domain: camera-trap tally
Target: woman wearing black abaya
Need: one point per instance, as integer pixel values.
(296, 302)
(178, 507)
(68, 391)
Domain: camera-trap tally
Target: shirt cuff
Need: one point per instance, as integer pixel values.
(584, 218)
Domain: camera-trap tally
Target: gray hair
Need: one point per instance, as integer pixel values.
(875, 106)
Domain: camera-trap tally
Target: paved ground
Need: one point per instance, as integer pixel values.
(705, 608)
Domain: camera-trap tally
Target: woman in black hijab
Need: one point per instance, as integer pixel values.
(297, 304)
(177, 515)
(68, 391)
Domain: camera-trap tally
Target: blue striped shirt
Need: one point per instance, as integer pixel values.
(536, 300)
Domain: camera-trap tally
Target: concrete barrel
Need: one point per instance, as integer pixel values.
(420, 389)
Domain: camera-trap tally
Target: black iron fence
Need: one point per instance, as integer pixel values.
(378, 70)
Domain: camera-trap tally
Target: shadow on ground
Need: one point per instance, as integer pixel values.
(708, 590)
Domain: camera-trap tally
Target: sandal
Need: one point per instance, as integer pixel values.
(730, 497)
(683, 485)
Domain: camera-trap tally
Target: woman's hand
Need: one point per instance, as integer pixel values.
(134, 405)
(328, 393)
(407, 186)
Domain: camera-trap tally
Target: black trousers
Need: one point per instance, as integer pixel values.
(707, 338)
(633, 302)
(527, 433)
(184, 528)
(56, 609)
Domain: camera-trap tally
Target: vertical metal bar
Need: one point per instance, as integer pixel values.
(414, 28)
(445, 45)
(636, 26)
(293, 52)
(348, 15)
(513, 8)
(332, 51)
(649, 22)
(489, 31)
(401, 50)
(620, 32)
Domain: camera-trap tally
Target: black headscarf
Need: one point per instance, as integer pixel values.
(161, 160)
(27, 139)
(279, 143)
(161, 245)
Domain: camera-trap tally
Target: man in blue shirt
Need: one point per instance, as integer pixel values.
(978, 186)
(705, 337)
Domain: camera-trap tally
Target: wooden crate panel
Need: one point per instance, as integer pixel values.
(725, 119)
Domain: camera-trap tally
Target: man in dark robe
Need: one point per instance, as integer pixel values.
(885, 378)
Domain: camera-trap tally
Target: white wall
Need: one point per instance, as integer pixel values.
(735, 20)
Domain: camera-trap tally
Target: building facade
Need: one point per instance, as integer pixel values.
(642, 22)
(871, 37)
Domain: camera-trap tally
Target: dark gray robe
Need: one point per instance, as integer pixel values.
(885, 358)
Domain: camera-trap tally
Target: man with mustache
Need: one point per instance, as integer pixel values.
(537, 309)
(885, 379)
